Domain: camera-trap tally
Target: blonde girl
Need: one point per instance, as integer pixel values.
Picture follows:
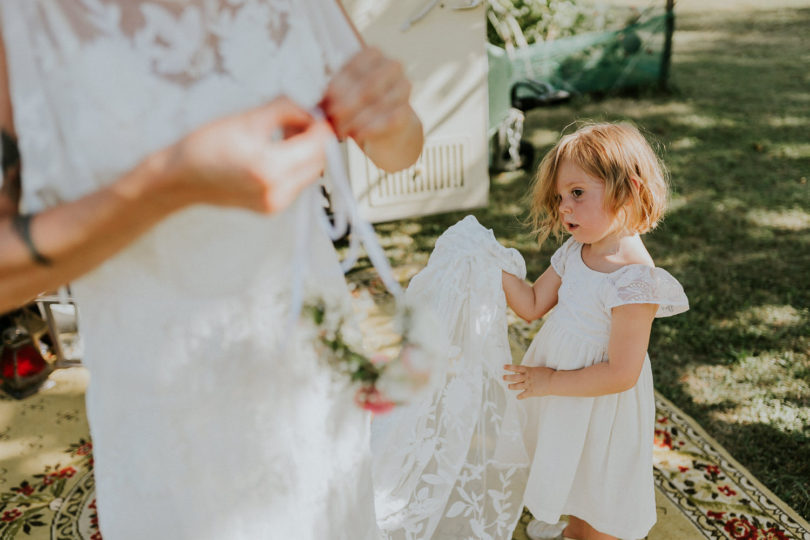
(589, 420)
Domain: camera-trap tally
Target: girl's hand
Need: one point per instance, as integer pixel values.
(259, 159)
(534, 381)
(369, 97)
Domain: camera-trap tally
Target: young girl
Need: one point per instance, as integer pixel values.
(590, 425)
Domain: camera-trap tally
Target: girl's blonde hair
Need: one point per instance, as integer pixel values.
(616, 154)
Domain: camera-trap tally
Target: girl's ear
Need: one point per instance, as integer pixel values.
(636, 182)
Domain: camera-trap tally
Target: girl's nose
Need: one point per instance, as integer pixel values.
(564, 208)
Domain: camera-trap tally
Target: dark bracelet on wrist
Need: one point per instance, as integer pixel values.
(22, 224)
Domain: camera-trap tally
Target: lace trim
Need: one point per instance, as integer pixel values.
(639, 284)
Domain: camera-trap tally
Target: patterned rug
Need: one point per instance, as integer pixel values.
(47, 488)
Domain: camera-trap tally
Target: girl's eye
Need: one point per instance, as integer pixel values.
(577, 193)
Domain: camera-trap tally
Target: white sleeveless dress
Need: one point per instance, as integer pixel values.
(592, 457)
(201, 429)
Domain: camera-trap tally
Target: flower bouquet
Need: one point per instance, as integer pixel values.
(382, 381)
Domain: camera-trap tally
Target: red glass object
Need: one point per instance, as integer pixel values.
(28, 362)
(23, 368)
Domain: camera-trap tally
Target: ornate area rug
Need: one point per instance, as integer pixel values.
(47, 488)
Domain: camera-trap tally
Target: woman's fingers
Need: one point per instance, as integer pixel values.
(293, 164)
(282, 112)
(362, 96)
(389, 114)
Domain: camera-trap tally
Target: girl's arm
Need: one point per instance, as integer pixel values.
(627, 348)
(530, 302)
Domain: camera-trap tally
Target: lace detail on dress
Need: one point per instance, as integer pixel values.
(640, 284)
(436, 471)
(128, 77)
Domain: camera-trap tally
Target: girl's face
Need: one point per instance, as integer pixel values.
(582, 205)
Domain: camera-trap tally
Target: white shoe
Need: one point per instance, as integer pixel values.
(540, 530)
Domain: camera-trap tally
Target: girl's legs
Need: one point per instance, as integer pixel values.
(580, 530)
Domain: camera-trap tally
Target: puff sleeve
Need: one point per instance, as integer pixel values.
(560, 256)
(640, 284)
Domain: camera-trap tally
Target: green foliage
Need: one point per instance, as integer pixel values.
(543, 20)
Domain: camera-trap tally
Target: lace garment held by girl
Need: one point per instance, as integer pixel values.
(201, 430)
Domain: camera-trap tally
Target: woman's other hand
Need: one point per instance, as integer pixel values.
(259, 159)
(369, 101)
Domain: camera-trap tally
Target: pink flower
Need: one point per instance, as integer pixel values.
(372, 400)
(379, 359)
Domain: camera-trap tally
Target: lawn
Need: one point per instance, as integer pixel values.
(735, 133)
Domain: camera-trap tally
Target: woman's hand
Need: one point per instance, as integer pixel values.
(534, 381)
(259, 159)
(369, 101)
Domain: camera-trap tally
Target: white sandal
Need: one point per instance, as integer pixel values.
(540, 530)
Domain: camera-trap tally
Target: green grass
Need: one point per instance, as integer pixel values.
(735, 131)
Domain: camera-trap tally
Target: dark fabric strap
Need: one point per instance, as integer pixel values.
(22, 224)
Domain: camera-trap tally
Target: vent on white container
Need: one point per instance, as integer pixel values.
(439, 170)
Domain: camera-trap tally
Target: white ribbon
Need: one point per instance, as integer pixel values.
(346, 218)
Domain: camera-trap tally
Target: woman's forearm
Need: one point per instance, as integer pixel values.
(77, 236)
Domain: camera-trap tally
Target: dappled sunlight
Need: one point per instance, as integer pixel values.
(755, 389)
(790, 150)
(684, 143)
(508, 178)
(765, 318)
(778, 414)
(540, 138)
(704, 121)
(794, 219)
(788, 121)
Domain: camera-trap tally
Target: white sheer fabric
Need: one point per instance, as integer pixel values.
(201, 429)
(435, 472)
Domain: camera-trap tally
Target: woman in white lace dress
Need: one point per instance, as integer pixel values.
(162, 172)
(586, 379)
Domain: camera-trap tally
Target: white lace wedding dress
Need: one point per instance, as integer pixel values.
(201, 429)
